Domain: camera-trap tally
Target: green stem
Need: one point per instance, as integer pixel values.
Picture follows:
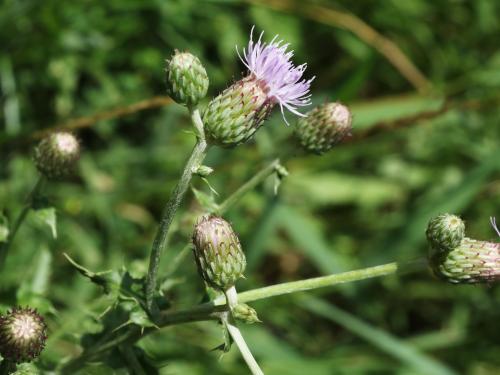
(314, 283)
(4, 248)
(242, 346)
(130, 357)
(196, 158)
(247, 186)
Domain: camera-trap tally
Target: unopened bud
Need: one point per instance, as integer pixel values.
(445, 232)
(471, 262)
(204, 171)
(57, 154)
(187, 79)
(324, 127)
(22, 335)
(218, 252)
(238, 112)
(245, 313)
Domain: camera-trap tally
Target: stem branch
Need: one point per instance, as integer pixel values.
(247, 186)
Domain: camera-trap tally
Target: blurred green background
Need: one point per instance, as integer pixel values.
(422, 144)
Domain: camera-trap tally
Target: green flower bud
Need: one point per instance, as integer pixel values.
(187, 79)
(203, 171)
(471, 262)
(324, 127)
(22, 335)
(235, 115)
(218, 252)
(245, 313)
(445, 232)
(57, 154)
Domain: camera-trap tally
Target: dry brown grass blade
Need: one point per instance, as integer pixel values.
(358, 27)
(414, 119)
(87, 121)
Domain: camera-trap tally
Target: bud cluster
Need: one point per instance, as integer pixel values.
(459, 259)
(218, 252)
(56, 155)
(22, 335)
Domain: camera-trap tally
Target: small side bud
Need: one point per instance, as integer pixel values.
(245, 314)
(471, 262)
(203, 171)
(187, 79)
(445, 232)
(238, 112)
(218, 253)
(22, 335)
(324, 127)
(57, 154)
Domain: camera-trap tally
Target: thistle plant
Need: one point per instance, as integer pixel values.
(139, 305)
(459, 259)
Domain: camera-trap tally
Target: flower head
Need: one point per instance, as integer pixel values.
(471, 262)
(218, 252)
(22, 335)
(57, 154)
(324, 127)
(233, 117)
(270, 63)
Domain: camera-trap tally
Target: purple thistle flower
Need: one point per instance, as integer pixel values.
(271, 65)
(493, 222)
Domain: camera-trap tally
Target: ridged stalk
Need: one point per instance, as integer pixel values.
(195, 160)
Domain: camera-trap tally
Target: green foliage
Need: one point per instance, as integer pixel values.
(366, 202)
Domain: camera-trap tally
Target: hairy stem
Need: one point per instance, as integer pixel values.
(247, 186)
(196, 158)
(4, 248)
(130, 357)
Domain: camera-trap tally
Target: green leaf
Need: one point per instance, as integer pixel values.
(384, 341)
(4, 228)
(97, 278)
(47, 215)
(307, 235)
(205, 200)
